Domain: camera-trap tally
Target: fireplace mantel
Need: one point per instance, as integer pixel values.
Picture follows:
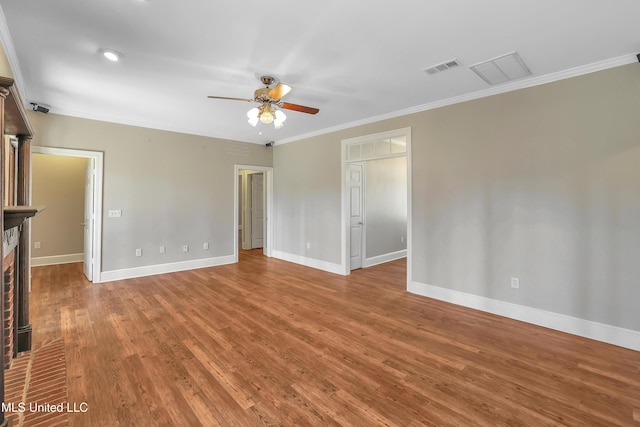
(16, 215)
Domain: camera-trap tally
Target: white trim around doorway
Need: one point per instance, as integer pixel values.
(268, 208)
(345, 267)
(98, 157)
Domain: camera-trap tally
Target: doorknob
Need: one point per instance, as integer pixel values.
(82, 224)
(361, 222)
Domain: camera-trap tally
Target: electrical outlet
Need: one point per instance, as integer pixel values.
(185, 248)
(163, 249)
(401, 239)
(515, 283)
(138, 252)
(308, 245)
(205, 246)
(36, 245)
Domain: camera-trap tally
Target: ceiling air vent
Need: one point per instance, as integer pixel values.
(501, 69)
(442, 67)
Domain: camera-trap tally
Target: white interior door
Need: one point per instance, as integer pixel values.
(89, 219)
(356, 214)
(257, 210)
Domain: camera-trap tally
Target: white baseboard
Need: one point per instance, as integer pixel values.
(309, 262)
(370, 262)
(585, 328)
(56, 259)
(150, 270)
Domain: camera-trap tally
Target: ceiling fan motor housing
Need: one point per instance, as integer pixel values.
(262, 94)
(270, 97)
(267, 80)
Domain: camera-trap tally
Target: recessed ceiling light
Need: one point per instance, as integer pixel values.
(111, 54)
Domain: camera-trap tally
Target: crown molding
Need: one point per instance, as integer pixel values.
(508, 87)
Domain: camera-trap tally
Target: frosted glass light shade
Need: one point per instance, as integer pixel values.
(279, 120)
(266, 117)
(253, 116)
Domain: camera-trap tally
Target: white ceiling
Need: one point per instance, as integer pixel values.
(354, 60)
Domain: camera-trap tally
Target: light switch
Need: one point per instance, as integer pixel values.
(115, 213)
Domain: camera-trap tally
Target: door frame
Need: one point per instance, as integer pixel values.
(98, 161)
(268, 207)
(345, 241)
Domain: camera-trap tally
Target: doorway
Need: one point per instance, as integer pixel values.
(253, 207)
(376, 202)
(92, 204)
(251, 216)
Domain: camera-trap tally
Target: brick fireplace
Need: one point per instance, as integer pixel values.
(8, 307)
(16, 329)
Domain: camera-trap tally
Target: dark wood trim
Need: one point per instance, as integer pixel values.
(15, 120)
(23, 325)
(4, 92)
(15, 216)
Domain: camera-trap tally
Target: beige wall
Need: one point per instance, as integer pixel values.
(385, 206)
(173, 189)
(5, 68)
(306, 181)
(57, 183)
(542, 184)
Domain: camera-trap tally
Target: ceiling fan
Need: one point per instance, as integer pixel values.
(271, 99)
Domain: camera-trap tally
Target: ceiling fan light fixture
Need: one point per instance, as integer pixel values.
(279, 120)
(270, 102)
(252, 115)
(266, 116)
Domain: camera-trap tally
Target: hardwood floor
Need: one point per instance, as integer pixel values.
(266, 342)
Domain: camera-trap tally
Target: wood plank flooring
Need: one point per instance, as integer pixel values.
(266, 342)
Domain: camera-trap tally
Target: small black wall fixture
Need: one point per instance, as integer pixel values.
(39, 108)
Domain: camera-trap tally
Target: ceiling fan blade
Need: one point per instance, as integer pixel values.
(279, 91)
(233, 99)
(300, 108)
